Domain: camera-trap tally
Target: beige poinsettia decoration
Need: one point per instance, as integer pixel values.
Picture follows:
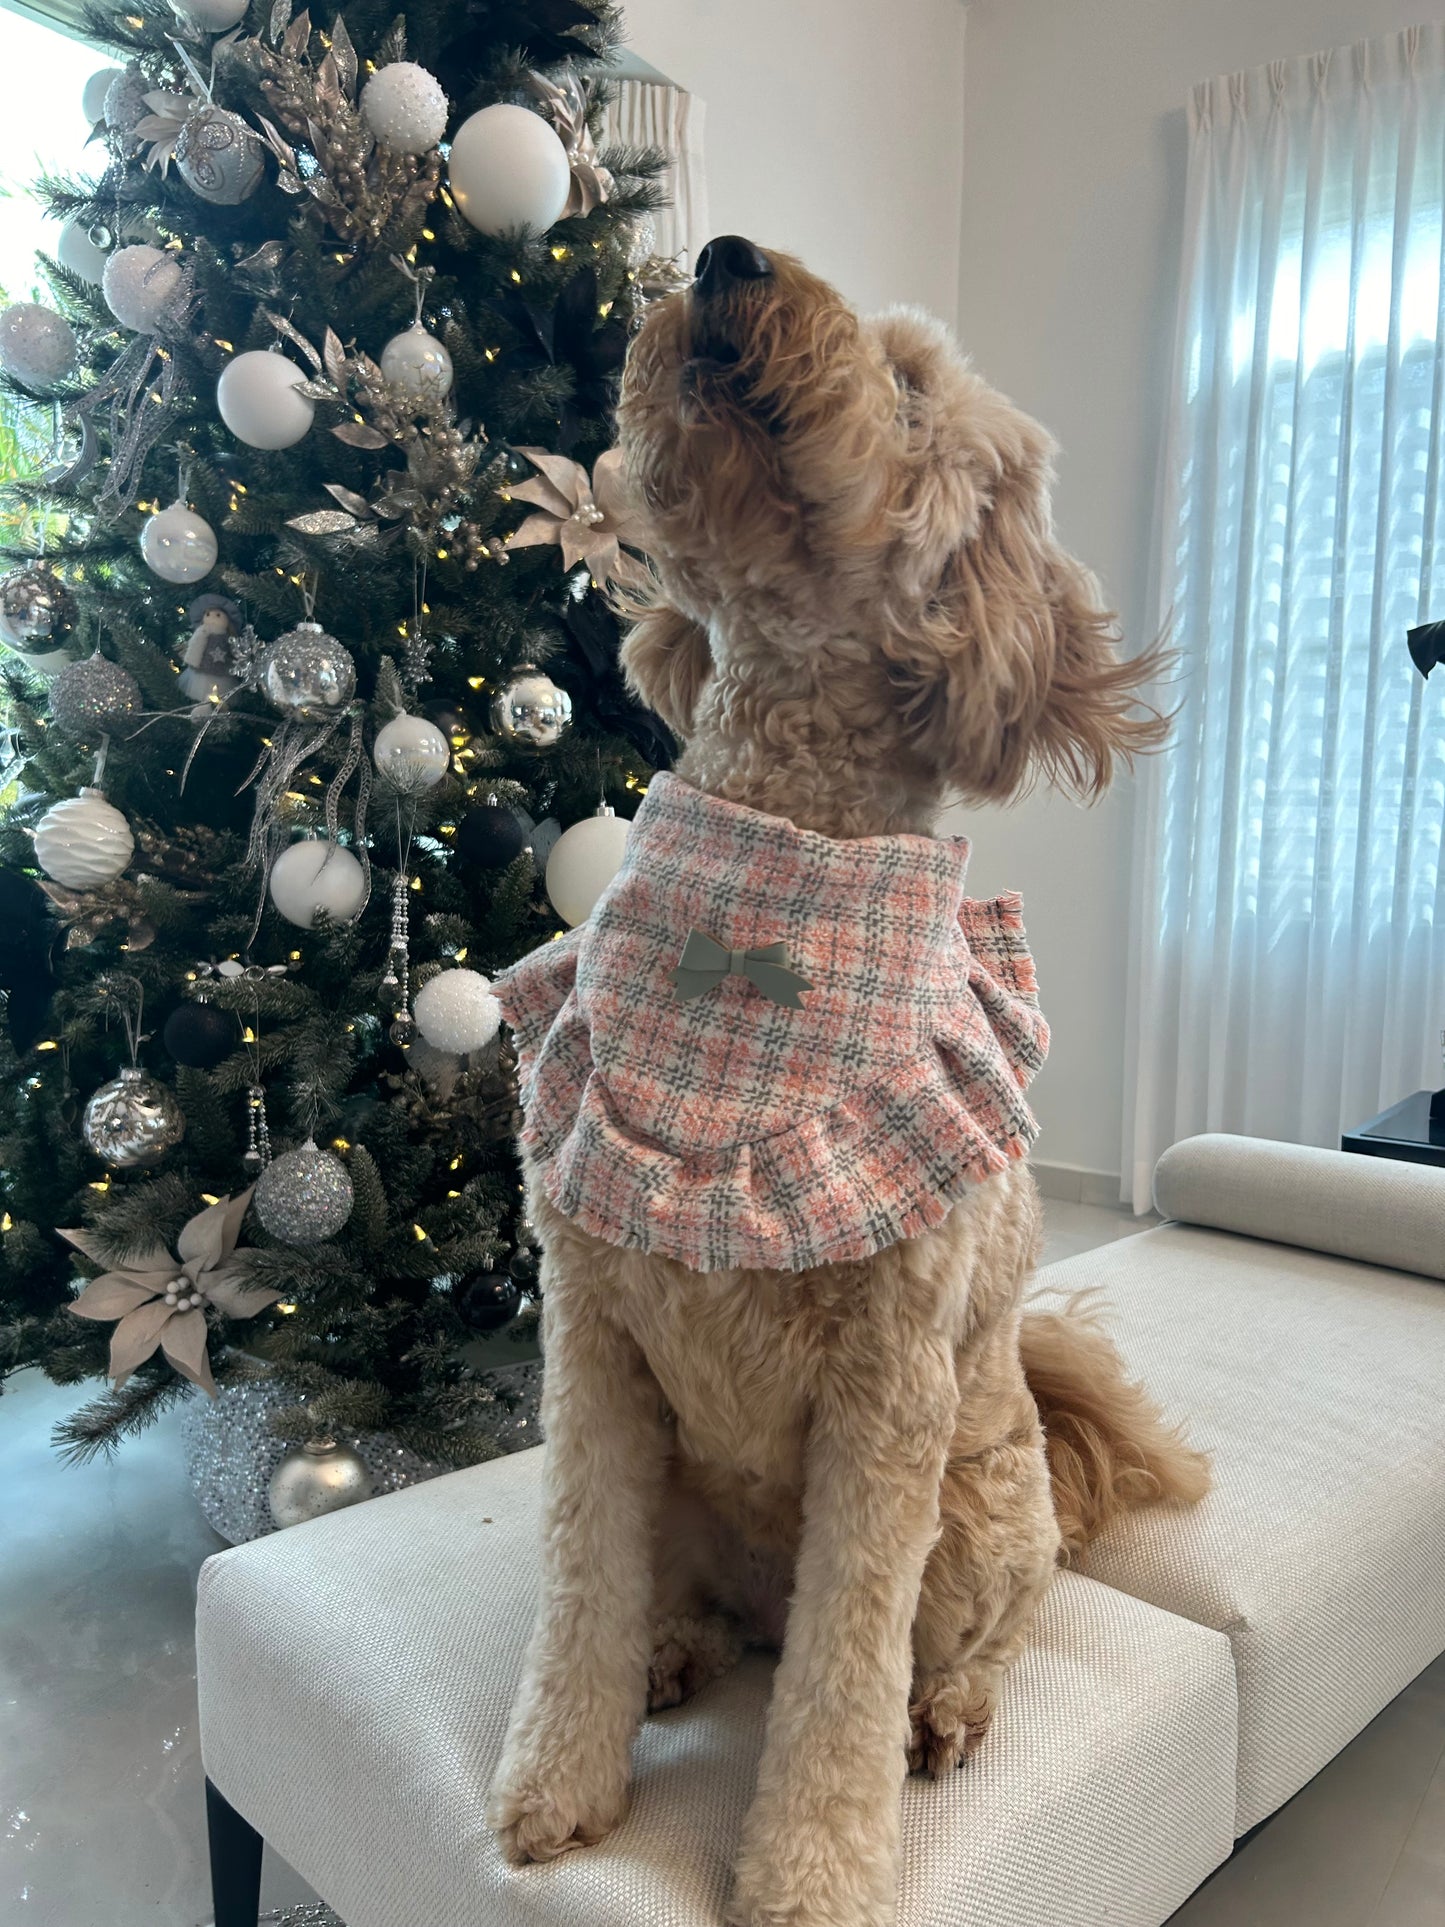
(587, 519)
(161, 1301)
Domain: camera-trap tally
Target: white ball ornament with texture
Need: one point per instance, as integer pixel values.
(583, 862)
(411, 753)
(219, 158)
(125, 106)
(140, 284)
(309, 880)
(304, 1196)
(507, 170)
(92, 98)
(83, 842)
(258, 402)
(37, 345)
(418, 364)
(321, 1477)
(80, 252)
(404, 108)
(178, 545)
(211, 16)
(457, 1012)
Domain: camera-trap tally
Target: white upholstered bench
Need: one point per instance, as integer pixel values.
(356, 1674)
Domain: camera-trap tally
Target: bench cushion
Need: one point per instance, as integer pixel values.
(1318, 1385)
(356, 1676)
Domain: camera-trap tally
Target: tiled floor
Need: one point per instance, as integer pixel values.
(100, 1780)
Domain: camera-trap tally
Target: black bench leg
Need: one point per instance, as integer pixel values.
(235, 1863)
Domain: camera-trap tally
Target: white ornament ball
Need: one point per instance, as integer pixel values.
(411, 753)
(140, 284)
(83, 842)
(312, 879)
(219, 158)
(37, 345)
(508, 169)
(178, 545)
(211, 16)
(78, 251)
(92, 99)
(418, 364)
(457, 1012)
(583, 862)
(125, 105)
(257, 399)
(404, 108)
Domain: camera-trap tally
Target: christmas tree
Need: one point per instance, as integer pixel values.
(309, 656)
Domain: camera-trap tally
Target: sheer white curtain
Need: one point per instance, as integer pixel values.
(1289, 955)
(645, 113)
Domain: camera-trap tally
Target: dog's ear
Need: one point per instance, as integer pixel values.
(1014, 673)
(666, 661)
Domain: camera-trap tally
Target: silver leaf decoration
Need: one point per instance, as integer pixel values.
(323, 522)
(280, 19)
(349, 499)
(345, 56)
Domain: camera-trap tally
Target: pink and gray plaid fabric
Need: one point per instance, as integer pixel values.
(730, 1131)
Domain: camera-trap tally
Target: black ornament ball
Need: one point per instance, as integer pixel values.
(458, 725)
(487, 1301)
(200, 1035)
(524, 1265)
(490, 836)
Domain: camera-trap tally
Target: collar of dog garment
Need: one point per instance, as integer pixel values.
(727, 1124)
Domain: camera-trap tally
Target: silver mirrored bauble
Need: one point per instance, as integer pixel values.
(307, 673)
(219, 158)
(37, 345)
(321, 1477)
(303, 1196)
(531, 709)
(132, 1121)
(36, 609)
(88, 698)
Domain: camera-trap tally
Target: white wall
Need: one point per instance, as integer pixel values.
(1074, 159)
(834, 131)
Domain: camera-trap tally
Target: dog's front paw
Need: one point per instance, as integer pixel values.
(817, 1880)
(949, 1717)
(537, 1815)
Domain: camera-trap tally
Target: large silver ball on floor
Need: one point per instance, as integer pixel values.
(322, 1477)
(132, 1121)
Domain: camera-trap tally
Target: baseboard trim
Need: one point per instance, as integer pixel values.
(1072, 1184)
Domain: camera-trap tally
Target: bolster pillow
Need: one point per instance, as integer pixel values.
(1380, 1210)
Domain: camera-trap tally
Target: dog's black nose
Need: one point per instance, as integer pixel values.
(728, 259)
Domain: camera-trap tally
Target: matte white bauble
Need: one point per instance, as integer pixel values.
(37, 345)
(508, 169)
(418, 364)
(178, 545)
(83, 842)
(456, 1011)
(583, 862)
(211, 16)
(92, 99)
(140, 284)
(404, 108)
(309, 879)
(411, 753)
(258, 402)
(79, 252)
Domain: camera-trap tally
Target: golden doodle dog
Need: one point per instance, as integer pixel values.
(830, 1424)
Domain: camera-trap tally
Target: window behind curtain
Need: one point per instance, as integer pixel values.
(1290, 954)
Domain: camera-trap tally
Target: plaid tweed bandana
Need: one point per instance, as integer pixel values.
(727, 1128)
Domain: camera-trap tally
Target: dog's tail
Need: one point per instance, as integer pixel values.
(1110, 1447)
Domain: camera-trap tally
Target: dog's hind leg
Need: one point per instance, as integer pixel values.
(984, 1577)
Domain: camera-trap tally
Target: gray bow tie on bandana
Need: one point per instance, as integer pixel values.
(705, 962)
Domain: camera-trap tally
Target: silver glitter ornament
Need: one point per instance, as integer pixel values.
(304, 1196)
(307, 673)
(322, 1477)
(37, 611)
(132, 1121)
(89, 698)
(219, 158)
(531, 709)
(231, 1450)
